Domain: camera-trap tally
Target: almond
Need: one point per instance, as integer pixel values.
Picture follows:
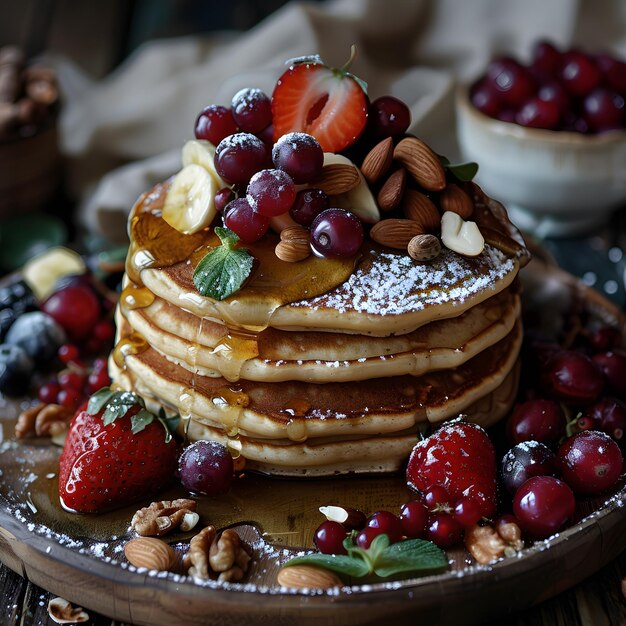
(421, 162)
(421, 209)
(378, 161)
(424, 248)
(307, 577)
(454, 199)
(150, 553)
(461, 236)
(395, 233)
(295, 233)
(337, 178)
(392, 191)
(293, 251)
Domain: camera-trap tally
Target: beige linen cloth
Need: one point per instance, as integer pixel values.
(124, 133)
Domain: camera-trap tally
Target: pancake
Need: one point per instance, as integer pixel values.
(202, 346)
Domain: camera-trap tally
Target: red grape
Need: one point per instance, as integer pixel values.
(309, 203)
(214, 123)
(271, 192)
(414, 517)
(579, 74)
(238, 157)
(573, 376)
(251, 110)
(387, 523)
(546, 58)
(76, 309)
(444, 530)
(603, 110)
(486, 99)
(206, 468)
(336, 233)
(244, 221)
(300, 155)
(537, 113)
(538, 419)
(388, 117)
(613, 366)
(511, 81)
(329, 538)
(525, 460)
(609, 416)
(222, 197)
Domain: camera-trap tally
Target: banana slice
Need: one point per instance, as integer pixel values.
(189, 204)
(42, 272)
(202, 153)
(358, 200)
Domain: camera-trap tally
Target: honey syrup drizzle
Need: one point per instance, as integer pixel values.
(134, 343)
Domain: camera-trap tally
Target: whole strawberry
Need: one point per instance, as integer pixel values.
(460, 458)
(115, 452)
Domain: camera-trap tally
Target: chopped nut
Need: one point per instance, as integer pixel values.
(161, 517)
(63, 612)
(350, 518)
(225, 556)
(487, 545)
(43, 420)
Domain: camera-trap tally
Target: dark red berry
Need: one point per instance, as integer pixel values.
(613, 366)
(329, 538)
(546, 58)
(436, 496)
(444, 530)
(609, 416)
(537, 420)
(573, 376)
(76, 308)
(300, 155)
(537, 113)
(388, 117)
(251, 110)
(309, 203)
(206, 468)
(97, 380)
(238, 157)
(48, 393)
(613, 71)
(604, 109)
(70, 398)
(467, 512)
(222, 198)
(214, 124)
(387, 523)
(68, 353)
(336, 233)
(104, 332)
(69, 379)
(241, 218)
(271, 192)
(604, 338)
(579, 74)
(366, 536)
(590, 462)
(543, 505)
(486, 99)
(414, 517)
(513, 82)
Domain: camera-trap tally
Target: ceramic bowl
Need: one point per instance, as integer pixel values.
(553, 183)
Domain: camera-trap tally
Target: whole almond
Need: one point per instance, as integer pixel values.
(295, 233)
(395, 233)
(378, 161)
(421, 209)
(421, 162)
(424, 248)
(150, 553)
(337, 178)
(454, 199)
(391, 192)
(293, 251)
(307, 577)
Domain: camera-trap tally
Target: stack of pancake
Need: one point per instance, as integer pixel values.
(322, 366)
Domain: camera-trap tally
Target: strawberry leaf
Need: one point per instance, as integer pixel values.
(223, 270)
(140, 420)
(412, 556)
(99, 399)
(119, 404)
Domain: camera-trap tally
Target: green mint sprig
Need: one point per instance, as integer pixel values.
(116, 404)
(223, 270)
(464, 172)
(411, 557)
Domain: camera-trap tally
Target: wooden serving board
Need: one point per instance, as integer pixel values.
(81, 557)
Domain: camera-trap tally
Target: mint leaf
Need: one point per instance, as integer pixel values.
(223, 270)
(99, 399)
(414, 556)
(339, 563)
(464, 172)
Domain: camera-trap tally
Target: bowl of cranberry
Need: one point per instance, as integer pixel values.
(550, 137)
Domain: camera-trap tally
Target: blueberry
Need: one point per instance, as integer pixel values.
(7, 317)
(38, 334)
(15, 369)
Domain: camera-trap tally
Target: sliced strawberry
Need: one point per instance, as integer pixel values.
(115, 455)
(327, 103)
(460, 458)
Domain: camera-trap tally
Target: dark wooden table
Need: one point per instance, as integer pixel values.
(598, 601)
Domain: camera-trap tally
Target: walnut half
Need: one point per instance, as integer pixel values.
(161, 517)
(224, 557)
(488, 544)
(43, 420)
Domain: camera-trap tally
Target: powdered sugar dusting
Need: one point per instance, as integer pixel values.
(394, 284)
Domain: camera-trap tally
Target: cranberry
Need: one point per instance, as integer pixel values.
(604, 338)
(300, 155)
(436, 496)
(336, 233)
(366, 536)
(414, 517)
(271, 192)
(444, 530)
(590, 462)
(249, 225)
(68, 353)
(542, 506)
(525, 460)
(251, 110)
(238, 157)
(511, 81)
(75, 308)
(214, 124)
(609, 416)
(69, 379)
(104, 332)
(613, 366)
(554, 92)
(486, 99)
(604, 110)
(48, 393)
(546, 58)
(537, 113)
(614, 72)
(206, 468)
(573, 376)
(69, 398)
(388, 117)
(329, 538)
(98, 380)
(309, 203)
(467, 512)
(538, 420)
(387, 523)
(579, 74)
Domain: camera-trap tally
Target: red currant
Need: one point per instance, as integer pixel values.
(68, 353)
(366, 536)
(98, 380)
(590, 462)
(215, 123)
(444, 530)
(104, 331)
(69, 379)
(48, 393)
(69, 398)
(467, 512)
(414, 517)
(436, 496)
(542, 506)
(329, 538)
(387, 523)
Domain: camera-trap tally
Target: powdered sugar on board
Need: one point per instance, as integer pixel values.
(394, 284)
